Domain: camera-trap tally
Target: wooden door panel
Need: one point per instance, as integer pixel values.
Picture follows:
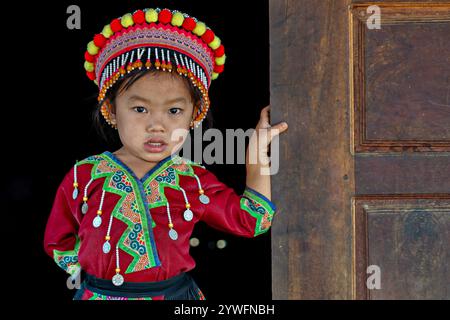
(365, 166)
(408, 238)
(401, 82)
(402, 173)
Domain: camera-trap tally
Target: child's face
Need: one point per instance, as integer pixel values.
(152, 109)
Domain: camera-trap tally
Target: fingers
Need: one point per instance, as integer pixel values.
(278, 129)
(264, 119)
(264, 123)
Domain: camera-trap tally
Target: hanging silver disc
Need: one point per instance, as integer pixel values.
(106, 247)
(117, 280)
(204, 198)
(97, 221)
(84, 208)
(188, 215)
(173, 234)
(75, 193)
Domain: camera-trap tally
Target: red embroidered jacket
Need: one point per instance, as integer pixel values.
(126, 225)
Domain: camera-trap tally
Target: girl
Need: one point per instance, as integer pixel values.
(125, 217)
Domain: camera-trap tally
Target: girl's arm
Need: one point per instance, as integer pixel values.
(61, 241)
(251, 213)
(257, 160)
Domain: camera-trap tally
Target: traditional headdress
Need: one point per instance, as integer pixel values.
(165, 40)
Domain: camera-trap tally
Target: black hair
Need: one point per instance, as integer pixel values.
(109, 134)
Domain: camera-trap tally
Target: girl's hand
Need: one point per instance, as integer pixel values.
(257, 153)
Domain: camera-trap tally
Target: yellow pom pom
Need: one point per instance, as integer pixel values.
(199, 29)
(127, 20)
(214, 76)
(89, 66)
(177, 19)
(221, 60)
(92, 48)
(151, 15)
(215, 43)
(107, 32)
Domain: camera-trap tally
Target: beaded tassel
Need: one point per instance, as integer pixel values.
(85, 207)
(106, 245)
(202, 196)
(173, 234)
(140, 53)
(188, 215)
(130, 63)
(157, 62)
(183, 67)
(75, 182)
(117, 280)
(169, 63)
(148, 64)
(178, 64)
(98, 219)
(163, 64)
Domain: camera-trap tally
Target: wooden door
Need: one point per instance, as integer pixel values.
(363, 189)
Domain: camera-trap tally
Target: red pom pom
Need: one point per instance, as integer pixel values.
(91, 75)
(88, 57)
(139, 17)
(99, 40)
(220, 51)
(189, 24)
(218, 69)
(208, 36)
(116, 25)
(165, 16)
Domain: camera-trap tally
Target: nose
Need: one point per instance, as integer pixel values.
(155, 123)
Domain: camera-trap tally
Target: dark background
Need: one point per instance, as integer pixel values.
(48, 127)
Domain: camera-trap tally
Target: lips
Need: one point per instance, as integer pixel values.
(156, 142)
(155, 145)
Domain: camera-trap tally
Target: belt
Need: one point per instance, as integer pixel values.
(179, 287)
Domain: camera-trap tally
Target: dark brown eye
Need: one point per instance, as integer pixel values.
(175, 110)
(140, 109)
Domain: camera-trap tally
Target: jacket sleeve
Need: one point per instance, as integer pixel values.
(60, 240)
(246, 215)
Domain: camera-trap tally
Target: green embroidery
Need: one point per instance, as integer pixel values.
(167, 176)
(68, 260)
(98, 296)
(129, 208)
(258, 208)
(136, 240)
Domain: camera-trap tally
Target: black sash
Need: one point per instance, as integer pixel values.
(180, 287)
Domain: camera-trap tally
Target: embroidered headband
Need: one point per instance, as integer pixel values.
(165, 40)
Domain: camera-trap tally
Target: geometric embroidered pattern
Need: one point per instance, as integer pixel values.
(137, 198)
(68, 260)
(168, 176)
(258, 206)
